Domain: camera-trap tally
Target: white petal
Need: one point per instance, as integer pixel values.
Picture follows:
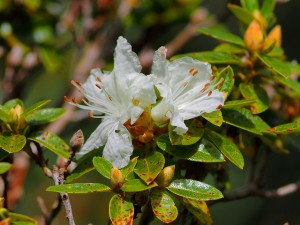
(205, 104)
(136, 111)
(142, 89)
(99, 137)
(162, 111)
(160, 65)
(126, 61)
(178, 122)
(118, 148)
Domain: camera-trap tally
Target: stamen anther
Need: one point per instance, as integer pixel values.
(191, 70)
(195, 72)
(66, 99)
(209, 93)
(74, 100)
(212, 77)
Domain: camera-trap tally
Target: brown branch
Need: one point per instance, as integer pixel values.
(58, 177)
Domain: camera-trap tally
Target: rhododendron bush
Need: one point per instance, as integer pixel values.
(90, 102)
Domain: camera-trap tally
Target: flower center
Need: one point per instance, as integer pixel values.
(135, 102)
(142, 129)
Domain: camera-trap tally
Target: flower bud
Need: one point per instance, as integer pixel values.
(274, 35)
(16, 121)
(253, 37)
(257, 15)
(165, 177)
(116, 177)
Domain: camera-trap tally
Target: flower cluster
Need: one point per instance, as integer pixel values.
(126, 100)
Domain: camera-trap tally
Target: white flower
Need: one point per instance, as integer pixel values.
(116, 97)
(186, 87)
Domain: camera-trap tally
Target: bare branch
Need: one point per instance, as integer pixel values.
(58, 177)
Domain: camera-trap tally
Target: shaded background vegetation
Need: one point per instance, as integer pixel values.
(45, 44)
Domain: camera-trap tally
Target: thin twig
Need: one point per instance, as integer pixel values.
(58, 177)
(54, 211)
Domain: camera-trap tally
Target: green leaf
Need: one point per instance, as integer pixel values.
(84, 165)
(4, 167)
(214, 117)
(127, 171)
(102, 166)
(228, 82)
(275, 65)
(290, 83)
(267, 9)
(255, 92)
(19, 219)
(203, 151)
(227, 147)
(242, 14)
(4, 115)
(51, 142)
(163, 206)
(222, 35)
(287, 128)
(243, 119)
(12, 103)
(194, 133)
(121, 211)
(199, 210)
(79, 188)
(136, 185)
(238, 103)
(42, 116)
(229, 48)
(12, 143)
(34, 107)
(213, 57)
(193, 189)
(149, 167)
(250, 5)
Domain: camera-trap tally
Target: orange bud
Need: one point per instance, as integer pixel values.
(116, 177)
(275, 35)
(256, 14)
(254, 37)
(165, 177)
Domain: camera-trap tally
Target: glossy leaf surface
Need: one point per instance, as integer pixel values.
(275, 65)
(103, 166)
(199, 210)
(193, 189)
(250, 91)
(238, 103)
(243, 118)
(163, 206)
(136, 185)
(35, 106)
(194, 134)
(121, 210)
(222, 35)
(42, 116)
(12, 143)
(214, 117)
(51, 142)
(214, 57)
(79, 188)
(203, 151)
(149, 167)
(227, 147)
